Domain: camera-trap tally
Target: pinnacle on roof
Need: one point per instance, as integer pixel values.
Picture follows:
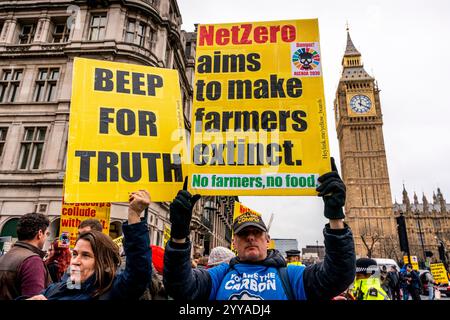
(405, 197)
(424, 198)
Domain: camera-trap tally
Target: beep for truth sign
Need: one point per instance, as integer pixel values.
(259, 121)
(126, 132)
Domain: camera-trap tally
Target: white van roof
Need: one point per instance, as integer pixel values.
(386, 262)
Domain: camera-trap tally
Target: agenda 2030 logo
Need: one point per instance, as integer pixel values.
(305, 59)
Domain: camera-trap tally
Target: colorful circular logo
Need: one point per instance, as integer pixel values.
(306, 59)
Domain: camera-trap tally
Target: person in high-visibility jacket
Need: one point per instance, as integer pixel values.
(367, 285)
(293, 257)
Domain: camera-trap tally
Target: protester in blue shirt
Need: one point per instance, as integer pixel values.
(413, 280)
(404, 282)
(257, 273)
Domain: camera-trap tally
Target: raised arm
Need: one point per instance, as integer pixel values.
(180, 280)
(136, 277)
(331, 277)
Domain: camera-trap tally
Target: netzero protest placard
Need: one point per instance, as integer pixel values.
(126, 132)
(259, 121)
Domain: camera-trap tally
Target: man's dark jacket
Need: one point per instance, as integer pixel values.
(321, 281)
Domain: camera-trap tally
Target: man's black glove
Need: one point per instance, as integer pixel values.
(181, 213)
(332, 190)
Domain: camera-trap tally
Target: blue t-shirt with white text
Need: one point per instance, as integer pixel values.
(254, 282)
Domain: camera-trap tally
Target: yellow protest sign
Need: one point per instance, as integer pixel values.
(259, 121)
(271, 244)
(72, 214)
(126, 132)
(166, 235)
(414, 262)
(118, 241)
(240, 209)
(439, 273)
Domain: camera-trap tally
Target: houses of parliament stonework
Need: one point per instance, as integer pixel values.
(370, 211)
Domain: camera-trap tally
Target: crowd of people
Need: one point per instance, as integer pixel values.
(95, 269)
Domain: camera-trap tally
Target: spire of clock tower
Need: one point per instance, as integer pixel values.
(351, 49)
(352, 63)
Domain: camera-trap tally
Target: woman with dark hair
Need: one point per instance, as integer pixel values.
(95, 262)
(58, 261)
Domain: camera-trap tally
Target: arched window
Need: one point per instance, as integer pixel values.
(54, 229)
(9, 229)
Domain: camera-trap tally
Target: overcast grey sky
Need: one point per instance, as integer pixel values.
(405, 45)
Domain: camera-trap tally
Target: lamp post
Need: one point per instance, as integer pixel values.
(403, 235)
(420, 233)
(208, 221)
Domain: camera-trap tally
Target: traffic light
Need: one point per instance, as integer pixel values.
(402, 235)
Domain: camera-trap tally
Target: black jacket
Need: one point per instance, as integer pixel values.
(127, 285)
(321, 281)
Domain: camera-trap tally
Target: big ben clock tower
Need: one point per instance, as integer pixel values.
(359, 126)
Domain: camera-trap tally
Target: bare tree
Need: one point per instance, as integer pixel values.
(369, 239)
(392, 248)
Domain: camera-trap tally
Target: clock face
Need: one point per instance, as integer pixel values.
(360, 103)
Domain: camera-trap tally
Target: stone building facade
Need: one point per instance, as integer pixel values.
(427, 224)
(38, 41)
(212, 223)
(313, 254)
